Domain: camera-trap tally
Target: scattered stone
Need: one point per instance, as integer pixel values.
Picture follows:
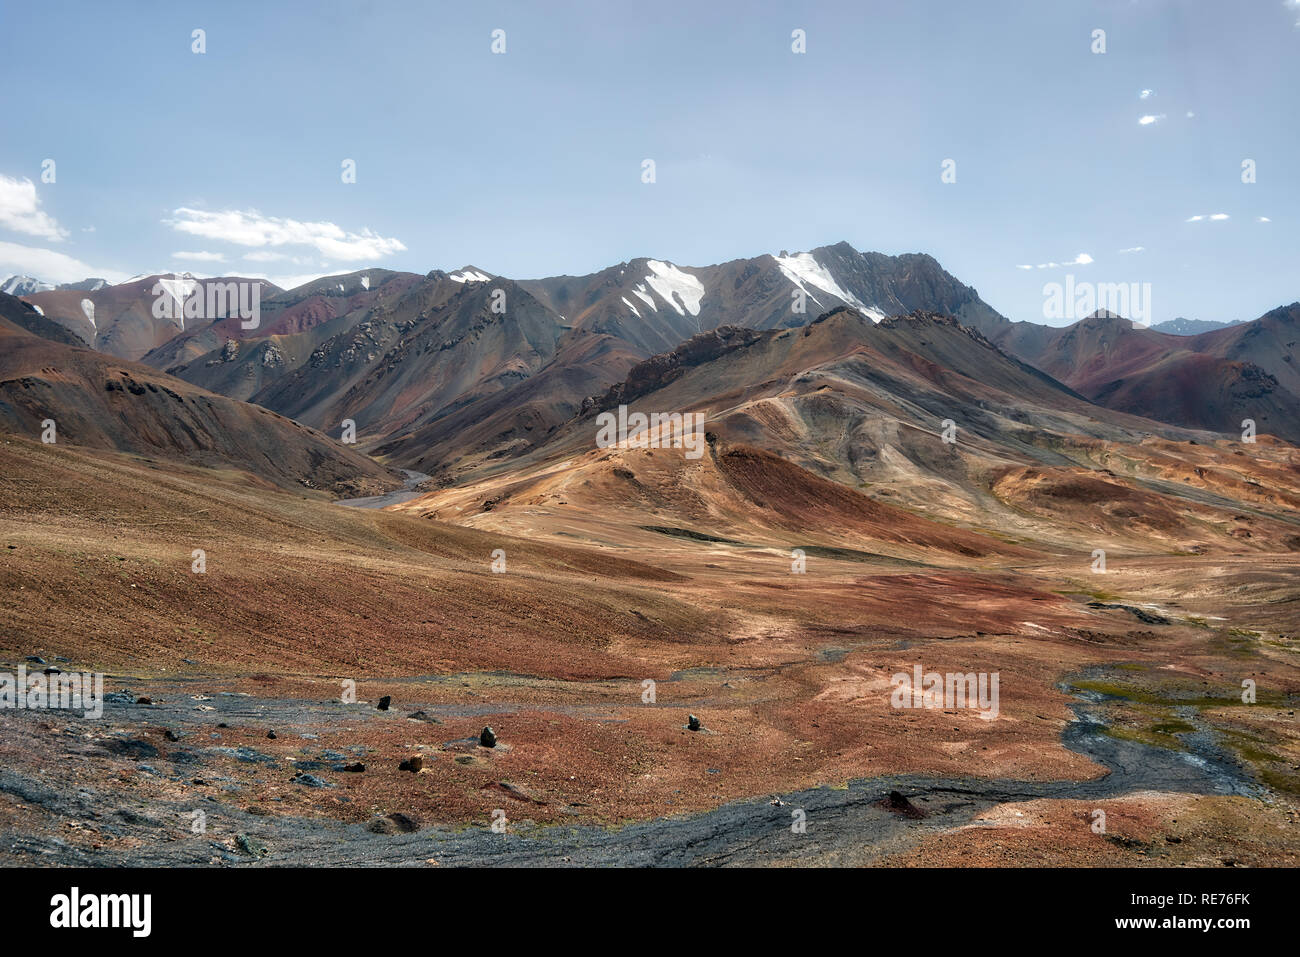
(692, 723)
(271, 734)
(414, 764)
(384, 702)
(514, 791)
(134, 748)
(36, 659)
(311, 781)
(1140, 614)
(487, 737)
(896, 801)
(250, 846)
(143, 700)
(354, 768)
(53, 670)
(393, 824)
(171, 735)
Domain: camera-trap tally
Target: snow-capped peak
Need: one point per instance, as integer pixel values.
(804, 270)
(24, 286)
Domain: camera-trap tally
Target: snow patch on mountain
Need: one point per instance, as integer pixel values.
(802, 268)
(179, 288)
(640, 293)
(365, 283)
(470, 275)
(669, 281)
(88, 308)
(632, 307)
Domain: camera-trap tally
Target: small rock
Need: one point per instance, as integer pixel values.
(412, 764)
(899, 802)
(143, 700)
(487, 738)
(53, 670)
(393, 824)
(171, 735)
(36, 659)
(311, 781)
(250, 846)
(271, 734)
(692, 723)
(384, 702)
(354, 768)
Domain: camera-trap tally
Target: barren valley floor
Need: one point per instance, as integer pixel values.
(1120, 692)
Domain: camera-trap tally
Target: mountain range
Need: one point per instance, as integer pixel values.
(468, 363)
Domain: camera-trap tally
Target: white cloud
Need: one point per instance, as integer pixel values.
(286, 282)
(1150, 118)
(1262, 219)
(1146, 94)
(251, 228)
(1132, 249)
(1083, 259)
(20, 210)
(1217, 217)
(200, 257)
(49, 265)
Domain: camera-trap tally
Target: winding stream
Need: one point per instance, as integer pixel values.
(388, 498)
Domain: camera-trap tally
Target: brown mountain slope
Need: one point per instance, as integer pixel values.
(106, 403)
(855, 412)
(119, 320)
(1212, 381)
(222, 356)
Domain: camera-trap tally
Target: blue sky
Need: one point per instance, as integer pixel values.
(529, 163)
